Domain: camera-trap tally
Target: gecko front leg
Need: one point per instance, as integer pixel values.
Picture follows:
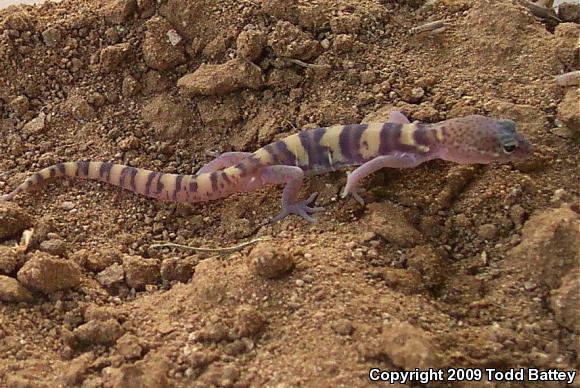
(292, 177)
(399, 160)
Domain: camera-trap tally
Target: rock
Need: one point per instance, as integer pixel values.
(130, 86)
(368, 77)
(566, 44)
(128, 346)
(219, 376)
(390, 222)
(518, 214)
(97, 333)
(487, 231)
(80, 108)
(250, 44)
(569, 12)
(342, 327)
(215, 49)
(51, 36)
(55, 247)
(270, 262)
(343, 43)
(199, 20)
(140, 272)
(212, 332)
(569, 112)
(119, 11)
(314, 16)
(221, 79)
(409, 347)
(36, 126)
(565, 300)
(48, 274)
(426, 113)
(112, 276)
(287, 40)
(346, 24)
(549, 245)
(175, 269)
(10, 258)
(19, 21)
(281, 9)
(249, 322)
(20, 105)
(561, 197)
(13, 220)
(158, 51)
(111, 57)
(413, 95)
(96, 261)
(11, 291)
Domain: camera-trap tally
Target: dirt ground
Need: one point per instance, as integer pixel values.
(446, 266)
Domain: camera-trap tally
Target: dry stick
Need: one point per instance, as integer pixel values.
(304, 64)
(433, 27)
(163, 244)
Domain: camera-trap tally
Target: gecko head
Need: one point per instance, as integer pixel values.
(480, 139)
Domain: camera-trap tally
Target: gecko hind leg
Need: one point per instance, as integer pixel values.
(397, 117)
(401, 160)
(292, 177)
(227, 159)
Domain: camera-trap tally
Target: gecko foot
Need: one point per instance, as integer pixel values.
(351, 188)
(300, 208)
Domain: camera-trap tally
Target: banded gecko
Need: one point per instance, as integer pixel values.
(395, 144)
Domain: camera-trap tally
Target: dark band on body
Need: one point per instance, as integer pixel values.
(349, 141)
(105, 171)
(178, 180)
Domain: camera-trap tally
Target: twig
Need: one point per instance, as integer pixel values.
(164, 244)
(304, 64)
(433, 27)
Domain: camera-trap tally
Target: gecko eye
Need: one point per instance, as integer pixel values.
(509, 148)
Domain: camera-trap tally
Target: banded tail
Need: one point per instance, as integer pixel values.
(167, 187)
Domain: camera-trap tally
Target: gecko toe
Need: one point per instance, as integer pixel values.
(354, 194)
(358, 198)
(301, 209)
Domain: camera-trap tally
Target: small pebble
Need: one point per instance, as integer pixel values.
(67, 205)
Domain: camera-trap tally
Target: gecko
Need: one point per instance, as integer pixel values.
(397, 143)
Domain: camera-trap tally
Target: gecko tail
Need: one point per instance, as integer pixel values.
(140, 181)
(158, 185)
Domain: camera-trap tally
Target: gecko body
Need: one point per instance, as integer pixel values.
(395, 144)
